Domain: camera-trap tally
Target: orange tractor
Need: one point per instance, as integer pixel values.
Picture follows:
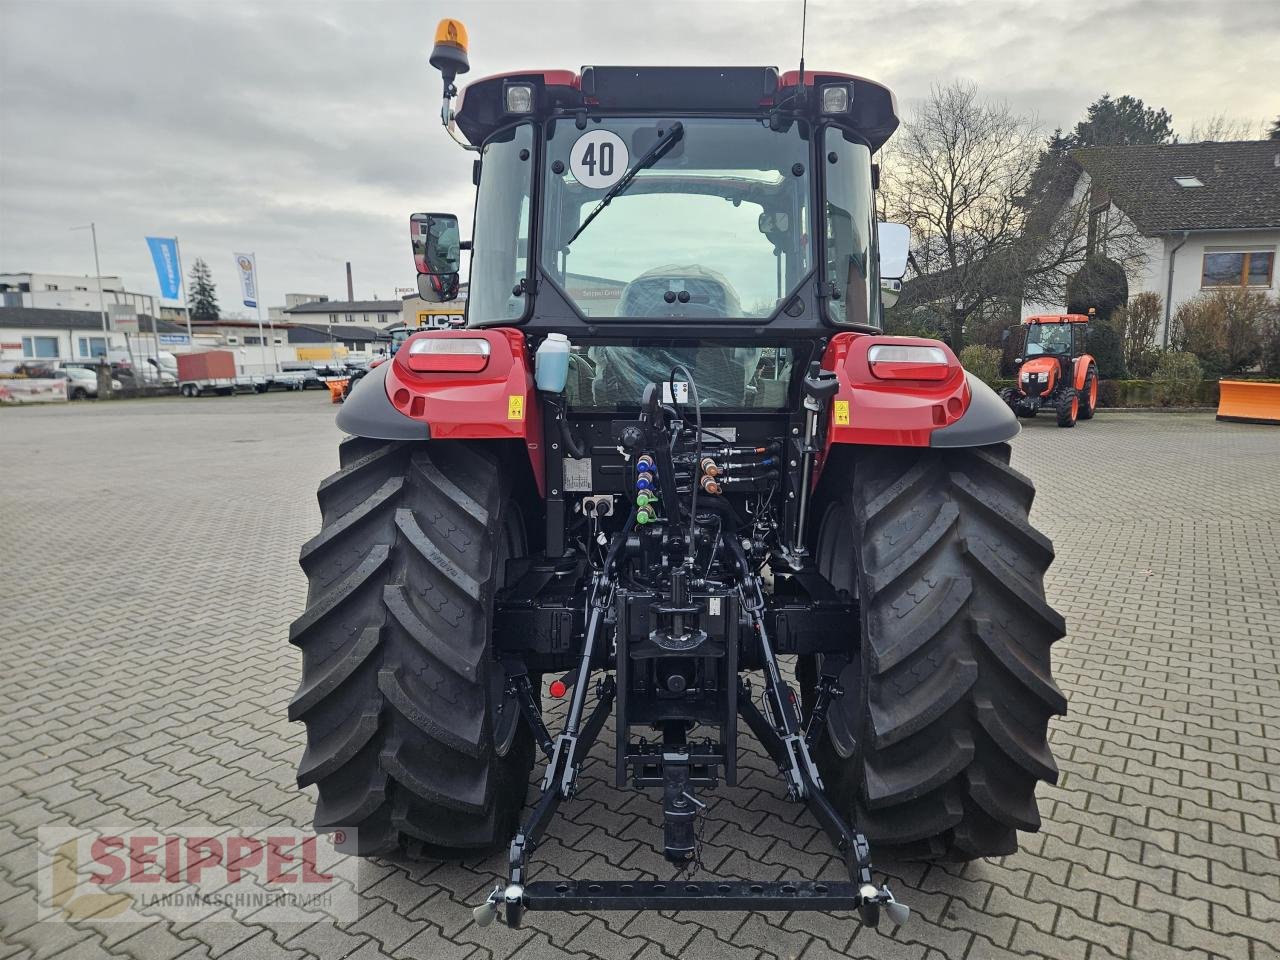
(1054, 370)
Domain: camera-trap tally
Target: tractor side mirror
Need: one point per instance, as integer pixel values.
(895, 244)
(437, 255)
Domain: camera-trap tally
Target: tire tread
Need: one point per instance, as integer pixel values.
(950, 701)
(396, 675)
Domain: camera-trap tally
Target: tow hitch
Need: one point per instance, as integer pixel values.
(678, 768)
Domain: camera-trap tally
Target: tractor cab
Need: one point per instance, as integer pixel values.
(614, 202)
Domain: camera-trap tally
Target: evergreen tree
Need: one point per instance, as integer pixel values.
(1120, 122)
(1057, 143)
(1101, 285)
(203, 295)
(1274, 133)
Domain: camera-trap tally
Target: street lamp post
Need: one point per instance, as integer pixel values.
(104, 381)
(92, 227)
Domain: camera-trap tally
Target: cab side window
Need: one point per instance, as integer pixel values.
(850, 269)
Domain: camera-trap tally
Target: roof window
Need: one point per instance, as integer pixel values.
(1188, 182)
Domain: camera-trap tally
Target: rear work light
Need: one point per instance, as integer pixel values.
(894, 361)
(449, 355)
(836, 98)
(518, 97)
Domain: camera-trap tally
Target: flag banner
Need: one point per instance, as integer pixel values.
(248, 267)
(164, 253)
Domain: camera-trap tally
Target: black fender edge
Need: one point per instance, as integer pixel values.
(368, 412)
(988, 420)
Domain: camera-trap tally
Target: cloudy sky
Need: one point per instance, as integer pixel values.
(307, 131)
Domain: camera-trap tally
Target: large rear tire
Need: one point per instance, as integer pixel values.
(411, 741)
(936, 747)
(1089, 395)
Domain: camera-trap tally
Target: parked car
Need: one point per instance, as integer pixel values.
(146, 373)
(82, 382)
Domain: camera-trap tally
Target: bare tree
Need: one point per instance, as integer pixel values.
(1070, 219)
(1137, 325)
(995, 219)
(1220, 128)
(956, 174)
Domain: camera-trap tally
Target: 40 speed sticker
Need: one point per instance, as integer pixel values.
(598, 159)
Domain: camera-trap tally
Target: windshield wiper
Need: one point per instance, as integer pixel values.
(650, 157)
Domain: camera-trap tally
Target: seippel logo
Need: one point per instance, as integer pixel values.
(66, 898)
(133, 875)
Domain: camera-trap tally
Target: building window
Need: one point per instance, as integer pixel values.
(91, 347)
(279, 341)
(232, 341)
(51, 286)
(253, 341)
(40, 348)
(333, 318)
(350, 318)
(1252, 268)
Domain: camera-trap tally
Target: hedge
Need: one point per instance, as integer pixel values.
(1137, 393)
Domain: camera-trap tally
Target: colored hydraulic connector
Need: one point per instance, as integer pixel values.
(646, 490)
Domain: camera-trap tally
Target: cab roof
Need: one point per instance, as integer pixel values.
(1056, 318)
(747, 91)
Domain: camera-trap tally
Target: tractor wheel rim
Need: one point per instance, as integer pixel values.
(1093, 393)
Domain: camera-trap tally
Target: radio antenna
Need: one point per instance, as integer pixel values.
(804, 23)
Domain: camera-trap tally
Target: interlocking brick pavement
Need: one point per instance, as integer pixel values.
(149, 575)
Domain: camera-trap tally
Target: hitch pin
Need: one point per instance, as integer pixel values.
(692, 799)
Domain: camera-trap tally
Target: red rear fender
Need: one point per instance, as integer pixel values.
(889, 405)
(1083, 362)
(909, 404)
(469, 395)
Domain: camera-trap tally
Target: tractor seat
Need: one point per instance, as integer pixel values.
(680, 291)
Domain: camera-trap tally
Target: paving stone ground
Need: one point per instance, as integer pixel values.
(148, 576)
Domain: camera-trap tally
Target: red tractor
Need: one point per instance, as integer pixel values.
(672, 471)
(1056, 372)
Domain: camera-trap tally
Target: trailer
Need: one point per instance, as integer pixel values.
(285, 380)
(214, 371)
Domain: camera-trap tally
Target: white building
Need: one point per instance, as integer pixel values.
(1209, 215)
(377, 313)
(29, 333)
(291, 300)
(63, 291)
